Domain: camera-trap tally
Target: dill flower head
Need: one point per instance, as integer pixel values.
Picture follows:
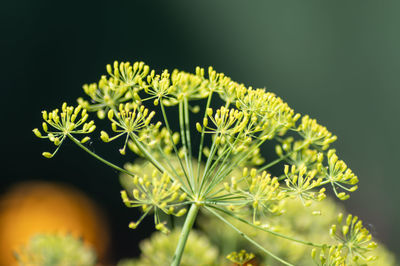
(70, 121)
(354, 239)
(153, 113)
(302, 184)
(241, 257)
(329, 256)
(159, 250)
(50, 249)
(155, 192)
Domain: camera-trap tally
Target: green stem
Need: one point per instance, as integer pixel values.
(151, 159)
(147, 154)
(202, 138)
(308, 243)
(249, 239)
(190, 218)
(77, 142)
(170, 136)
(188, 138)
(218, 177)
(162, 153)
(185, 145)
(208, 162)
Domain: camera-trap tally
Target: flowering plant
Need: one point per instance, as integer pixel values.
(225, 174)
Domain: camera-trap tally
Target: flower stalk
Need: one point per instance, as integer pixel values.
(190, 219)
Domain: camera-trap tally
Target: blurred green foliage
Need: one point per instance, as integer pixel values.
(55, 250)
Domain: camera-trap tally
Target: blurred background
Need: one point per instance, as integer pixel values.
(338, 61)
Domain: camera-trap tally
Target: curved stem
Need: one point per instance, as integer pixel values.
(77, 142)
(249, 239)
(147, 154)
(269, 231)
(190, 218)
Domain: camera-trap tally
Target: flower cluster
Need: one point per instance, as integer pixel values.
(156, 192)
(70, 121)
(130, 119)
(315, 134)
(155, 139)
(261, 191)
(303, 184)
(159, 250)
(328, 256)
(129, 76)
(241, 257)
(353, 243)
(354, 239)
(231, 137)
(104, 95)
(187, 86)
(339, 175)
(55, 249)
(274, 115)
(227, 122)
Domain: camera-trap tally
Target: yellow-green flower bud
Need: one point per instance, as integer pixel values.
(85, 139)
(340, 218)
(253, 172)
(125, 198)
(114, 127)
(133, 225)
(245, 172)
(104, 136)
(44, 126)
(161, 227)
(313, 253)
(44, 115)
(110, 114)
(205, 122)
(354, 188)
(37, 132)
(343, 196)
(354, 180)
(278, 150)
(198, 127)
(345, 229)
(349, 219)
(47, 154)
(286, 170)
(109, 69)
(57, 141)
(372, 245)
(136, 194)
(332, 230)
(181, 212)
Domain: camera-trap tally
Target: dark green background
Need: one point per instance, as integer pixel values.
(338, 61)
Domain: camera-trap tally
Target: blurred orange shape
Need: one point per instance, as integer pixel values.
(36, 207)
